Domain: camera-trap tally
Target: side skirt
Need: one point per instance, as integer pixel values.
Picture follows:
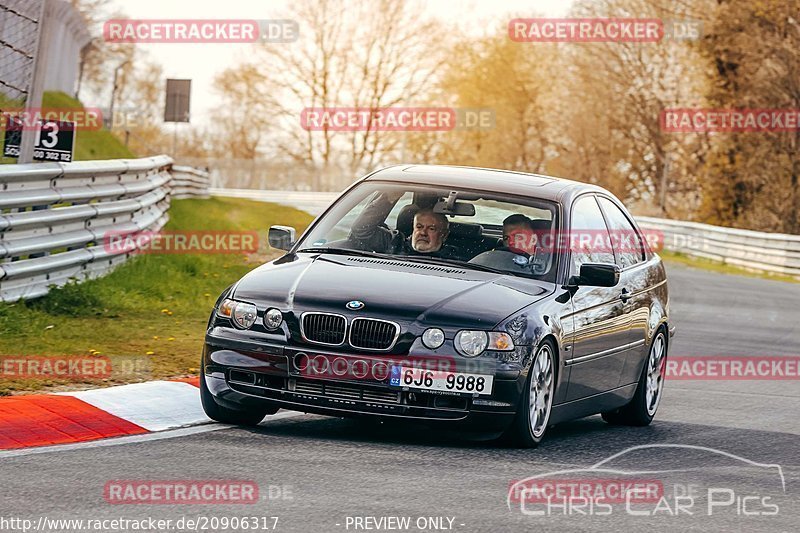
(591, 405)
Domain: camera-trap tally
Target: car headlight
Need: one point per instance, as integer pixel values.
(472, 343)
(242, 314)
(273, 319)
(433, 338)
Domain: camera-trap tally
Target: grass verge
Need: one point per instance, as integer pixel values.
(147, 317)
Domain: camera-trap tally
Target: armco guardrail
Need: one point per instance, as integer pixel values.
(54, 216)
(754, 250)
(777, 253)
(188, 182)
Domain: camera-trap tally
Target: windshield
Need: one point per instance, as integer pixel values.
(481, 230)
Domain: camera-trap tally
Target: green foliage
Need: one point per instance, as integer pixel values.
(70, 300)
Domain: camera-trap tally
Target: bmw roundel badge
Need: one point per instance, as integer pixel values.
(355, 305)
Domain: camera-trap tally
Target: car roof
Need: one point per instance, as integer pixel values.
(503, 181)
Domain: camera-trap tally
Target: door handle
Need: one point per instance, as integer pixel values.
(625, 296)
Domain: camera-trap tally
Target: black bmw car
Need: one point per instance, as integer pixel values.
(490, 300)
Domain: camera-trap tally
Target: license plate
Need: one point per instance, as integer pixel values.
(440, 381)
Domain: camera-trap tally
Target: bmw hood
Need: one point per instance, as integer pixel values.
(449, 296)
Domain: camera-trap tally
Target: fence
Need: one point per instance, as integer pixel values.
(19, 32)
(54, 216)
(777, 253)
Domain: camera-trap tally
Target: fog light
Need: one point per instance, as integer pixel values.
(273, 319)
(433, 338)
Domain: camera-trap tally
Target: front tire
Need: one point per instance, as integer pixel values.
(214, 411)
(642, 408)
(533, 415)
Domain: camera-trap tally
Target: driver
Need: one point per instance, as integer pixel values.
(430, 231)
(428, 236)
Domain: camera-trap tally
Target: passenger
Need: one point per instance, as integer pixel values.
(517, 248)
(519, 235)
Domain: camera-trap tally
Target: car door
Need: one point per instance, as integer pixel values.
(633, 285)
(600, 333)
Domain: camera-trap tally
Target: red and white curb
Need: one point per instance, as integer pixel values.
(73, 417)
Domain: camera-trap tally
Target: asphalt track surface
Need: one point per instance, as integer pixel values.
(331, 471)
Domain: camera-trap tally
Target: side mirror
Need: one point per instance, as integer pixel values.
(281, 237)
(597, 275)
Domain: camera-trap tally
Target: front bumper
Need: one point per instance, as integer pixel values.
(243, 375)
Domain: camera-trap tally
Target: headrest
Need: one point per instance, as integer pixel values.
(405, 219)
(539, 224)
(466, 230)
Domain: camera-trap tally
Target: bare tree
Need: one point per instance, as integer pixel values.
(368, 54)
(616, 92)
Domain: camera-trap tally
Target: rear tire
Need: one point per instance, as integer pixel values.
(533, 414)
(214, 411)
(642, 408)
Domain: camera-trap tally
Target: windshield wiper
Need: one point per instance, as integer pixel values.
(457, 262)
(345, 251)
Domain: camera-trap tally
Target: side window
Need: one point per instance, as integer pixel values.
(627, 242)
(589, 238)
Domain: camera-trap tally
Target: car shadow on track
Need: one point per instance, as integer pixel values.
(587, 432)
(591, 438)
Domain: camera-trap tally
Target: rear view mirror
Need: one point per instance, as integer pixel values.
(457, 208)
(598, 275)
(281, 237)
